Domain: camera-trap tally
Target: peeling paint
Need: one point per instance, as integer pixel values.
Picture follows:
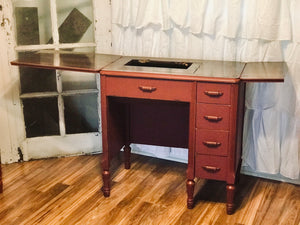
(5, 21)
(11, 121)
(21, 159)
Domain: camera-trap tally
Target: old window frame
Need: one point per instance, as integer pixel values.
(67, 144)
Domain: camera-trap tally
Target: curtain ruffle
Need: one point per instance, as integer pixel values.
(250, 19)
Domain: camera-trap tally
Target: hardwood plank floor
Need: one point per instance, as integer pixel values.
(67, 191)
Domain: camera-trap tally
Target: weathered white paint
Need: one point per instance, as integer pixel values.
(55, 146)
(99, 105)
(39, 95)
(12, 130)
(54, 23)
(5, 142)
(53, 46)
(60, 104)
(102, 16)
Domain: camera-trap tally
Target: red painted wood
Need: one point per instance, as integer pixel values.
(162, 76)
(127, 152)
(204, 136)
(213, 93)
(113, 117)
(213, 117)
(195, 110)
(162, 123)
(203, 164)
(127, 148)
(235, 126)
(161, 89)
(106, 183)
(240, 122)
(190, 173)
(152, 121)
(1, 183)
(230, 198)
(190, 186)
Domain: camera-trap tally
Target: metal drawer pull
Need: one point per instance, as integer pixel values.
(213, 93)
(212, 144)
(147, 89)
(213, 118)
(211, 169)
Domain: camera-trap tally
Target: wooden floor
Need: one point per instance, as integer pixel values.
(67, 191)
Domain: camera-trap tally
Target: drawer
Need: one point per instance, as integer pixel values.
(212, 142)
(212, 116)
(214, 93)
(149, 88)
(211, 167)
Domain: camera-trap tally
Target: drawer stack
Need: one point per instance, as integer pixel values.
(212, 130)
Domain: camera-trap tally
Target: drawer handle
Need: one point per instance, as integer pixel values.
(212, 144)
(211, 169)
(147, 89)
(215, 94)
(213, 118)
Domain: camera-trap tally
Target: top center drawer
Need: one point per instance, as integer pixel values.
(213, 93)
(149, 88)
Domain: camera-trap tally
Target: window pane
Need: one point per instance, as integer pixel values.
(75, 21)
(41, 116)
(37, 80)
(33, 21)
(78, 81)
(81, 113)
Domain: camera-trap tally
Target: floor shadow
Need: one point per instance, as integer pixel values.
(215, 191)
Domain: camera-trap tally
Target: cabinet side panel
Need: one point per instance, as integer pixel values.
(240, 122)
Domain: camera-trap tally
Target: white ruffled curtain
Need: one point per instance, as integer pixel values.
(238, 30)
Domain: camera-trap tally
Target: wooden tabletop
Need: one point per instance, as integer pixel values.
(205, 70)
(65, 60)
(264, 71)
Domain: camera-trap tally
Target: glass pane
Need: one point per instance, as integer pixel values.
(81, 113)
(78, 81)
(75, 21)
(37, 80)
(41, 117)
(33, 21)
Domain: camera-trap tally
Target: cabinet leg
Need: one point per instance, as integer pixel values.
(1, 183)
(106, 183)
(127, 152)
(190, 185)
(230, 198)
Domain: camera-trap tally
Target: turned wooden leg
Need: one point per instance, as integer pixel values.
(1, 184)
(127, 152)
(106, 183)
(230, 198)
(190, 184)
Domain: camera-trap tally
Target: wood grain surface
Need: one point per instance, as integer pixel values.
(67, 191)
